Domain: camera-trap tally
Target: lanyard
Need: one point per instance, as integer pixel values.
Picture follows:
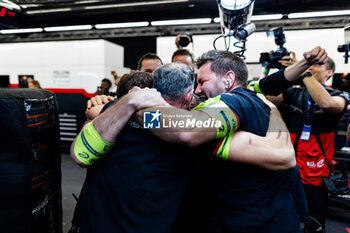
(309, 111)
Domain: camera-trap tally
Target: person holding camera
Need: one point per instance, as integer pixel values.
(312, 112)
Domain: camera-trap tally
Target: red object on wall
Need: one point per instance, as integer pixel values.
(61, 90)
(77, 91)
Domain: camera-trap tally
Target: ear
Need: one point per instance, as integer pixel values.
(232, 75)
(189, 94)
(229, 80)
(329, 74)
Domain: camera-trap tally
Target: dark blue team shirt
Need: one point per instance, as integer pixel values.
(250, 198)
(138, 188)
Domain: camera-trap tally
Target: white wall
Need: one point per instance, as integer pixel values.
(113, 60)
(63, 64)
(298, 41)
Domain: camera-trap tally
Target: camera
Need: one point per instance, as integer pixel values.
(271, 59)
(185, 40)
(345, 48)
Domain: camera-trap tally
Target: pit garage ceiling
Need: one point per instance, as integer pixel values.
(43, 13)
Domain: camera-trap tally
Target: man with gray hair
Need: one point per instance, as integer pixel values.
(175, 89)
(138, 187)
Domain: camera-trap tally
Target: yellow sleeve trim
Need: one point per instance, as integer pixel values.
(218, 110)
(224, 150)
(90, 146)
(255, 86)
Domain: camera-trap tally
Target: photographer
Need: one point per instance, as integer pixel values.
(283, 62)
(312, 112)
(276, 59)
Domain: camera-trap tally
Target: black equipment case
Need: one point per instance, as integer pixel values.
(30, 162)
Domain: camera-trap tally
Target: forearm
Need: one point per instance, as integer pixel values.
(280, 81)
(272, 152)
(321, 96)
(111, 122)
(93, 112)
(74, 156)
(97, 137)
(181, 126)
(315, 56)
(293, 72)
(274, 84)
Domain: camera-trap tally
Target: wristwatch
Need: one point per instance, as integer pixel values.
(307, 74)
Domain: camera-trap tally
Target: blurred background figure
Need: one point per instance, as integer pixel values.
(183, 56)
(116, 82)
(23, 80)
(33, 84)
(149, 63)
(116, 77)
(104, 88)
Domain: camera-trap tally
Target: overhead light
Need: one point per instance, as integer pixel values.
(181, 22)
(266, 17)
(22, 30)
(217, 20)
(68, 28)
(29, 5)
(48, 11)
(318, 14)
(258, 17)
(133, 4)
(9, 5)
(87, 2)
(121, 25)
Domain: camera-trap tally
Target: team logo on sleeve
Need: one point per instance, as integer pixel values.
(151, 120)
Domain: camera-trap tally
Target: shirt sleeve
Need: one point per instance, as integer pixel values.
(218, 109)
(221, 112)
(274, 84)
(343, 94)
(346, 96)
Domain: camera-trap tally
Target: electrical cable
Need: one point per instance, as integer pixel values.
(214, 42)
(229, 41)
(242, 48)
(239, 44)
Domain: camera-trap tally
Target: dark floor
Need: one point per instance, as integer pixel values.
(73, 177)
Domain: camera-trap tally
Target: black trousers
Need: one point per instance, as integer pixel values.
(318, 201)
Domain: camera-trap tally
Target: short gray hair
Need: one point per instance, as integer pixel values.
(173, 80)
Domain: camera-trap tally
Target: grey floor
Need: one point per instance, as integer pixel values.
(73, 177)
